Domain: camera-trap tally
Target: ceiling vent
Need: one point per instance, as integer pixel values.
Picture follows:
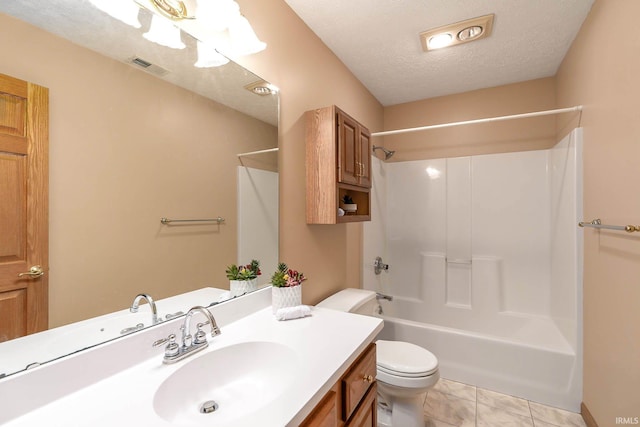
(458, 33)
(147, 66)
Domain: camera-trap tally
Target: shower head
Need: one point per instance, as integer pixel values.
(387, 153)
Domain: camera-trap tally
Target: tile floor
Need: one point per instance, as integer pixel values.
(452, 403)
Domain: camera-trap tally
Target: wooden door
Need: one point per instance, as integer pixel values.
(348, 167)
(24, 195)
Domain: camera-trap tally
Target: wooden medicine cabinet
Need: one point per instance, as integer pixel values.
(338, 163)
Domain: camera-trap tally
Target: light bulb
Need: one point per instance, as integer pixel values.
(440, 40)
(243, 39)
(163, 32)
(218, 13)
(209, 57)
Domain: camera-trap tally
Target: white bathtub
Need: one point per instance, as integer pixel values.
(542, 372)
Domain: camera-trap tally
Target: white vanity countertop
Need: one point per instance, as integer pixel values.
(325, 344)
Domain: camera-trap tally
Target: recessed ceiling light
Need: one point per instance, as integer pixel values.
(464, 31)
(262, 88)
(440, 40)
(471, 32)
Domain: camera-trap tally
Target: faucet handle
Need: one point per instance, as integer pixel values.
(172, 348)
(200, 336)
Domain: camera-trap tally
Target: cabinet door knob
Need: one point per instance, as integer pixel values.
(368, 378)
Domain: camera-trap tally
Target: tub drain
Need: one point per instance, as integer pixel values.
(208, 407)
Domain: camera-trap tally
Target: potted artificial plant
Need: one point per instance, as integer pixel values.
(348, 205)
(243, 279)
(285, 287)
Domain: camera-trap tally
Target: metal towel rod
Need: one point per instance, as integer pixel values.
(167, 221)
(596, 223)
(458, 261)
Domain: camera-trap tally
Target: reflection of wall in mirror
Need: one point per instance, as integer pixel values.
(127, 148)
(258, 219)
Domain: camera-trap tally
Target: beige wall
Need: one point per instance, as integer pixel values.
(601, 72)
(309, 76)
(126, 149)
(506, 136)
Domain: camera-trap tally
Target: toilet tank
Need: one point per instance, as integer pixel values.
(360, 301)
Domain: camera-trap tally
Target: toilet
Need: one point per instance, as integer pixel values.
(405, 371)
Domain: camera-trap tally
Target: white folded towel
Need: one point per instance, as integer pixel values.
(288, 313)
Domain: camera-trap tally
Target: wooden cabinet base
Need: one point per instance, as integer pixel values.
(352, 401)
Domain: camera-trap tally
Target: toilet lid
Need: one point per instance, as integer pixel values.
(404, 359)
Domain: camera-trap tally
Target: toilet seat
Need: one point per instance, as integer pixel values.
(403, 359)
(404, 374)
(405, 365)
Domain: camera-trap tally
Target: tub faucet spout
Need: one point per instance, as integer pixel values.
(380, 296)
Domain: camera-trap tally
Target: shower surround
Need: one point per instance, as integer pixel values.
(485, 266)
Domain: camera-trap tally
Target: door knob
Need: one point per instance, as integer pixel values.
(34, 272)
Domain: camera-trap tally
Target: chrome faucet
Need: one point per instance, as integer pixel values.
(191, 344)
(152, 304)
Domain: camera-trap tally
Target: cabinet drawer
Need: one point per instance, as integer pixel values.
(358, 380)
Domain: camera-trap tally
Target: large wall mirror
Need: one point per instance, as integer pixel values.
(138, 132)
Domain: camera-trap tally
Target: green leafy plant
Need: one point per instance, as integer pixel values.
(285, 277)
(244, 272)
(347, 200)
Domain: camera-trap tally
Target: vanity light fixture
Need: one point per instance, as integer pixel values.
(209, 57)
(163, 32)
(218, 23)
(458, 33)
(262, 88)
(172, 9)
(244, 40)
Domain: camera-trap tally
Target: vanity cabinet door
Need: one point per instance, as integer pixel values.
(358, 380)
(352, 401)
(325, 413)
(367, 413)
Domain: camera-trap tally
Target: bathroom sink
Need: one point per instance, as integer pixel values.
(232, 382)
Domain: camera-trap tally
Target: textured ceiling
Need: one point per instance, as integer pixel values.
(378, 41)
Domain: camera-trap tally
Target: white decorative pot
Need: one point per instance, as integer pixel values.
(349, 207)
(241, 287)
(285, 297)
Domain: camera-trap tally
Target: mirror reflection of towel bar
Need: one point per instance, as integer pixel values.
(168, 221)
(596, 223)
(458, 261)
